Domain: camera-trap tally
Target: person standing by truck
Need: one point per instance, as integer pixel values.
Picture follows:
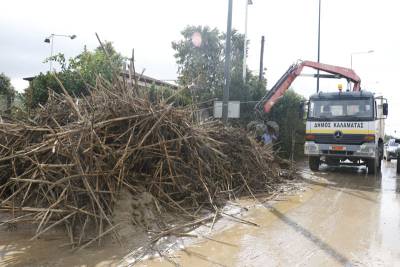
(269, 135)
(266, 133)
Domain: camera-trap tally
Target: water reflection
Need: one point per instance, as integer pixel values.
(389, 211)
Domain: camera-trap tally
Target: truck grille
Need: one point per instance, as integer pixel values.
(353, 139)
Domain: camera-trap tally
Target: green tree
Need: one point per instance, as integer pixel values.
(7, 90)
(91, 64)
(250, 91)
(78, 75)
(292, 128)
(201, 65)
(198, 56)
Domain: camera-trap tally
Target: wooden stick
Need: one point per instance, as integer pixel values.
(54, 224)
(112, 228)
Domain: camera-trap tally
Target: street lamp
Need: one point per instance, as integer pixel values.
(248, 2)
(319, 40)
(358, 53)
(50, 40)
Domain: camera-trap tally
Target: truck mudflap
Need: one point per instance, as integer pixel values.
(398, 163)
(398, 166)
(366, 150)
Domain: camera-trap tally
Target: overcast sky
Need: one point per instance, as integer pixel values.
(149, 26)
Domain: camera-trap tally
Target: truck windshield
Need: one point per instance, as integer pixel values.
(341, 109)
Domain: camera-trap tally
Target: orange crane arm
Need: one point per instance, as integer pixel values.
(294, 70)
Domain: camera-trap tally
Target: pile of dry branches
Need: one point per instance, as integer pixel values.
(67, 165)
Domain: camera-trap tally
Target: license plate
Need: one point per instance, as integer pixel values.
(338, 148)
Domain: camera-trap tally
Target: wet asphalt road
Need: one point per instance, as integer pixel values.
(345, 218)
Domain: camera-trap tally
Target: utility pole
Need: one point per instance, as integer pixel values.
(227, 65)
(260, 77)
(248, 2)
(319, 41)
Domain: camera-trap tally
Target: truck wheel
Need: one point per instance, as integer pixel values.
(373, 166)
(398, 166)
(314, 162)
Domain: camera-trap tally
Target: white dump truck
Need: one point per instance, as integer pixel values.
(346, 128)
(342, 127)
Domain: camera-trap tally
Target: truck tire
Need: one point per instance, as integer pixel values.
(398, 165)
(373, 166)
(314, 162)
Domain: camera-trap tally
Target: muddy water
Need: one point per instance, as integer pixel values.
(344, 218)
(51, 250)
(347, 218)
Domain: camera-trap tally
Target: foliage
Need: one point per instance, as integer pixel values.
(7, 90)
(286, 113)
(90, 64)
(201, 65)
(78, 76)
(157, 94)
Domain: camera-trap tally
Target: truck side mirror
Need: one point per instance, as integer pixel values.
(385, 108)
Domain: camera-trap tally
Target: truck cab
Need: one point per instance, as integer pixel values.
(345, 128)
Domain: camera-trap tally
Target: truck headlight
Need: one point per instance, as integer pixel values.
(367, 149)
(310, 148)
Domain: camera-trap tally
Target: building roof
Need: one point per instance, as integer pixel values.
(144, 80)
(29, 79)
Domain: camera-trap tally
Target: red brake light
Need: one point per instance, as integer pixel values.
(310, 137)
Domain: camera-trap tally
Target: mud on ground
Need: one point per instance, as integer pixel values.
(138, 219)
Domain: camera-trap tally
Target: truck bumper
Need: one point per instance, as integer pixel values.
(364, 151)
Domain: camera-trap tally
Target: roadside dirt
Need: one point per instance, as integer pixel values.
(53, 249)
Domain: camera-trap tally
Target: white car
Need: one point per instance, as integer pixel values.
(391, 149)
